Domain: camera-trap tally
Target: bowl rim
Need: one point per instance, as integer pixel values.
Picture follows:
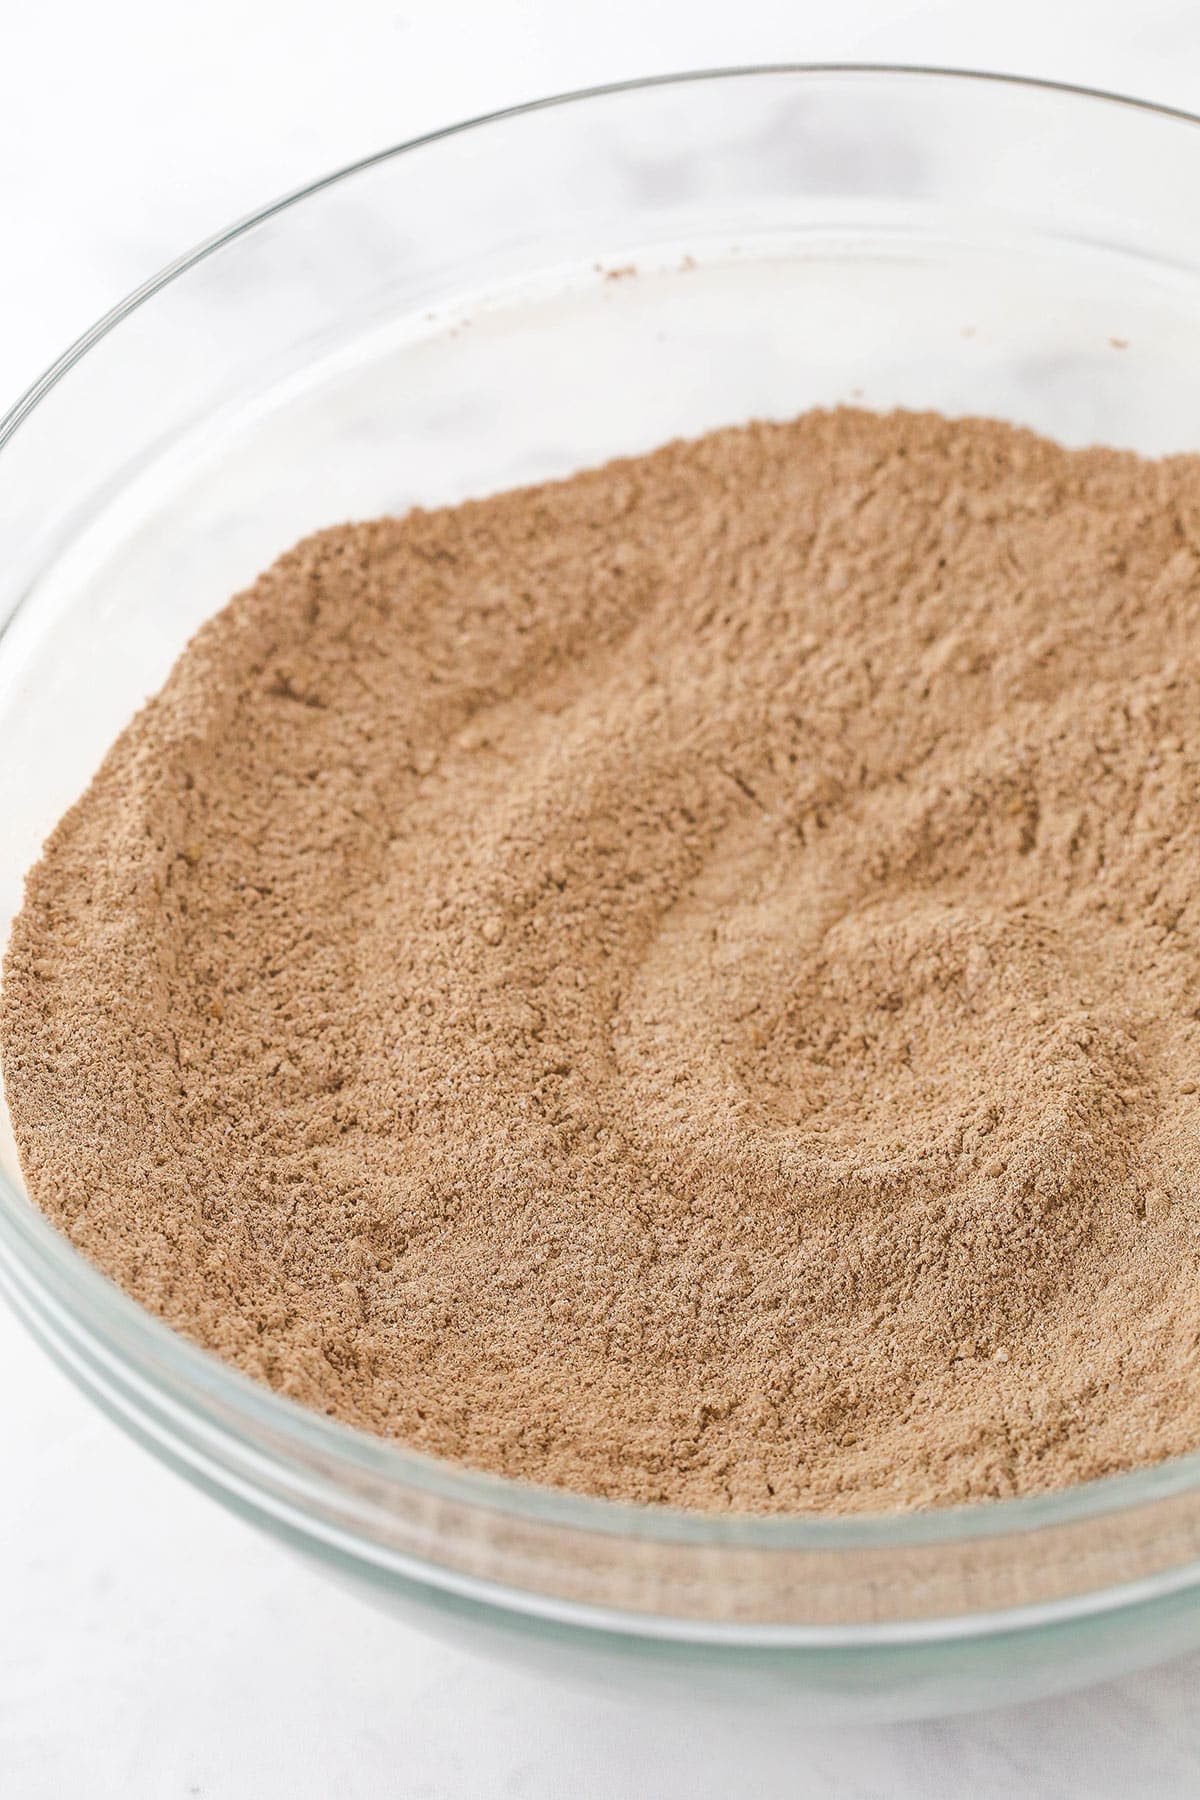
(52, 1272)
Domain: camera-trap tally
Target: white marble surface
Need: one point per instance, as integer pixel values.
(150, 1646)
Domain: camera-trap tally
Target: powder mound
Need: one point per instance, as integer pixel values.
(682, 983)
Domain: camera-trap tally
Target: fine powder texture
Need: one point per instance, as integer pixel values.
(682, 983)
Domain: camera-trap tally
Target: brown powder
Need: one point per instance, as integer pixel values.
(682, 983)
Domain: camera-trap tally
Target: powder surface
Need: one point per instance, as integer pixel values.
(681, 983)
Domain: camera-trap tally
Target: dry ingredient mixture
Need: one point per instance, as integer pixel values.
(682, 983)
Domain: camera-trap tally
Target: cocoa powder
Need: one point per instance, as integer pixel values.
(681, 983)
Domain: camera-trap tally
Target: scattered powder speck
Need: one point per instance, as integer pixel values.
(681, 983)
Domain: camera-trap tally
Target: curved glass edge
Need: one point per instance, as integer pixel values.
(132, 1334)
(332, 1541)
(54, 1274)
(11, 420)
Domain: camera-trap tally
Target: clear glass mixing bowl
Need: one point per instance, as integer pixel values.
(494, 304)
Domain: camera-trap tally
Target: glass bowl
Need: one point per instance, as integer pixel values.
(498, 303)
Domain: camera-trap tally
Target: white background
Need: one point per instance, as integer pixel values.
(150, 1646)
